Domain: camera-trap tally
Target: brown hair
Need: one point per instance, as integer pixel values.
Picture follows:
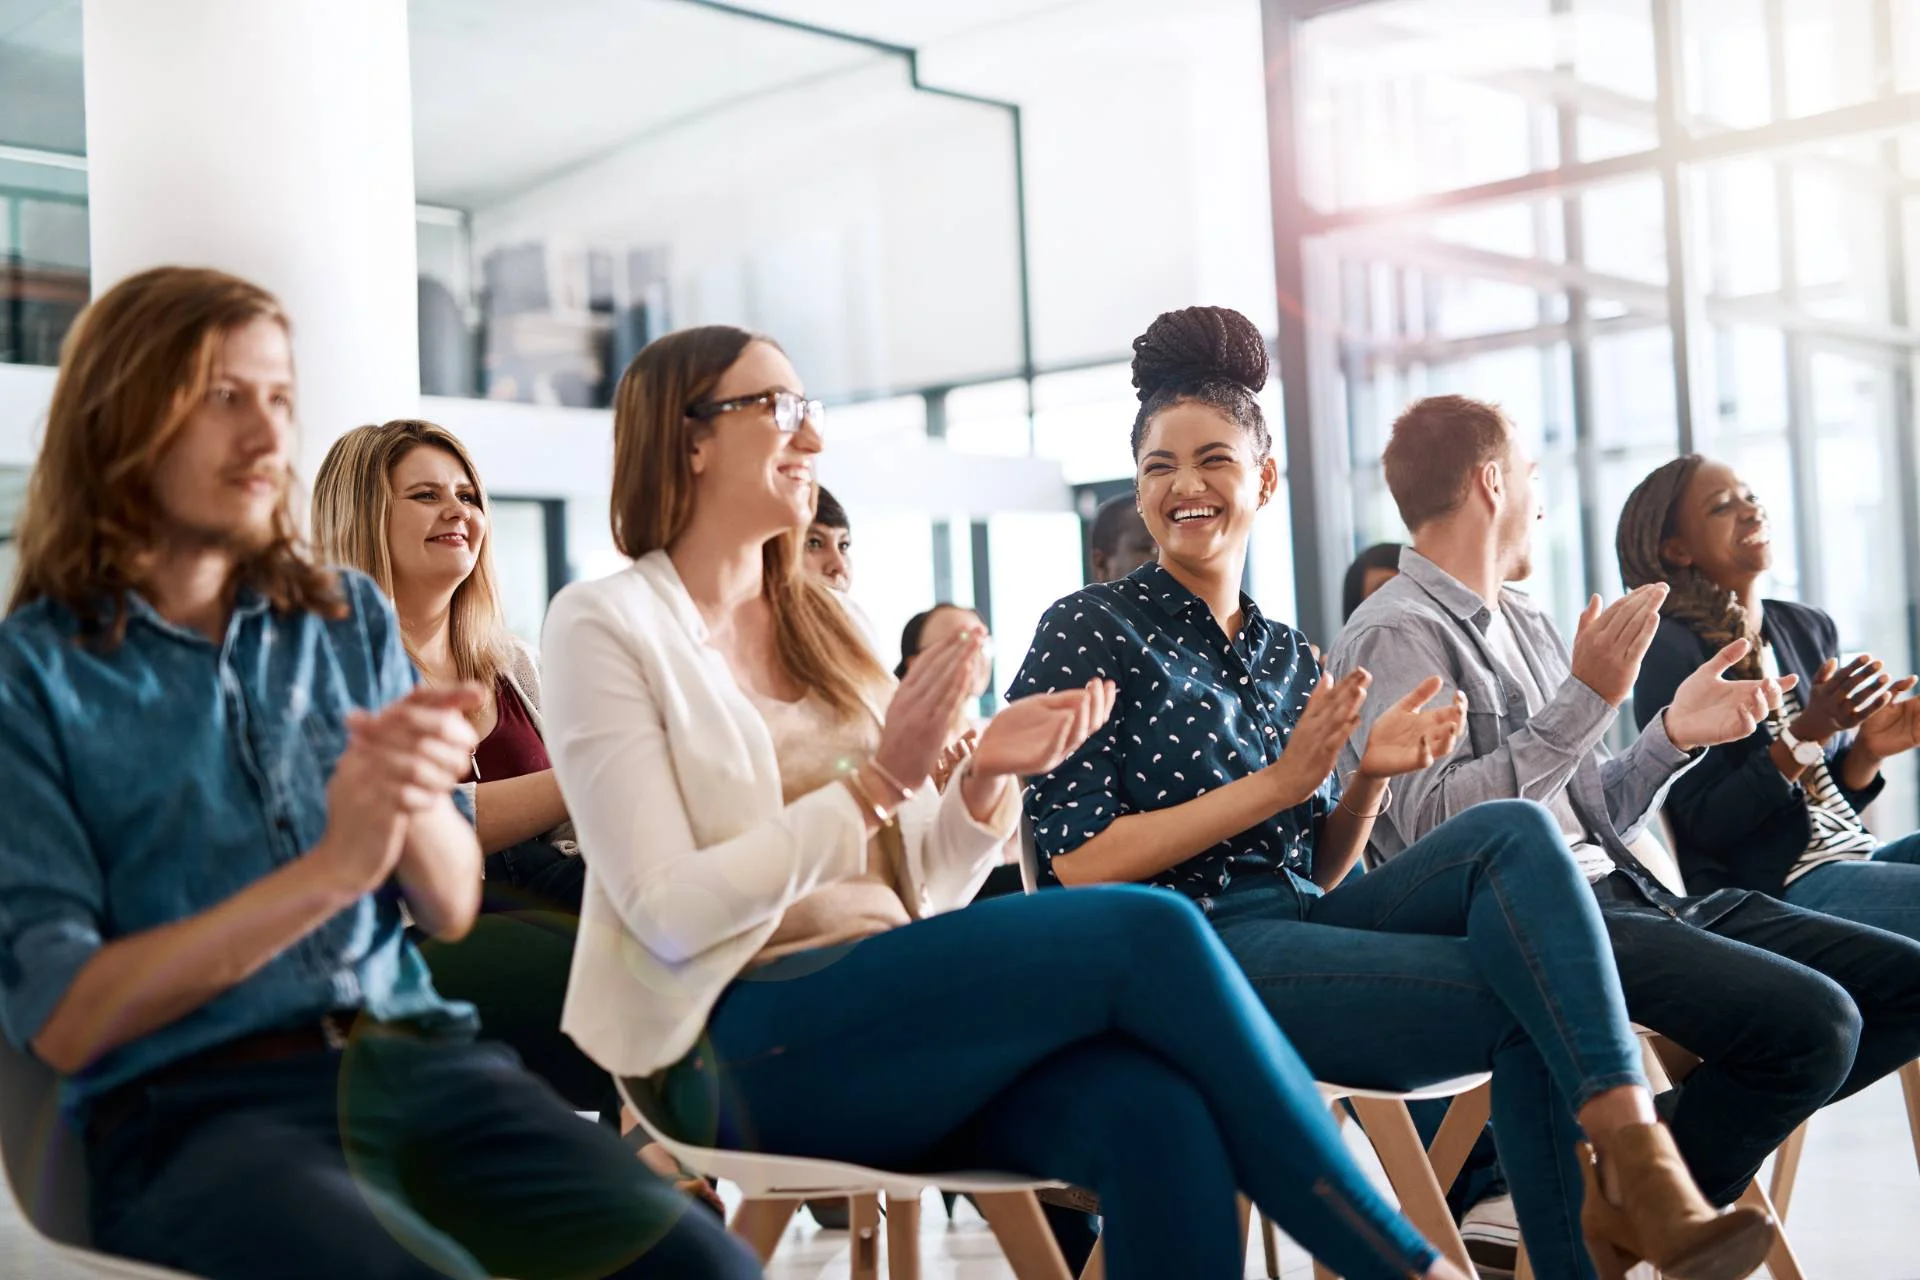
(1652, 516)
(653, 498)
(135, 365)
(352, 495)
(1436, 446)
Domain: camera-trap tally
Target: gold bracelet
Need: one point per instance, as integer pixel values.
(1386, 798)
(905, 791)
(879, 813)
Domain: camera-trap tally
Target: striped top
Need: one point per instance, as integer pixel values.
(1838, 834)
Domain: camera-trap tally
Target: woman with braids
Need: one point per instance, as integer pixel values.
(1780, 810)
(1479, 948)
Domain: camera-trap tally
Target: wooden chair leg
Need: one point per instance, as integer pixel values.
(1522, 1264)
(1022, 1231)
(1245, 1206)
(903, 1237)
(1397, 1143)
(1096, 1268)
(1270, 1245)
(761, 1223)
(864, 1228)
(1786, 1171)
(1910, 1085)
(1781, 1264)
(1466, 1119)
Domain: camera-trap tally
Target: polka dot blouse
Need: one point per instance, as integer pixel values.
(1194, 711)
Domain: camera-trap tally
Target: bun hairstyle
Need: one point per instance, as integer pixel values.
(1210, 355)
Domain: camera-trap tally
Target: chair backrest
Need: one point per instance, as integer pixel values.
(1029, 855)
(40, 1153)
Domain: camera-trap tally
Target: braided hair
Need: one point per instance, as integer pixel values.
(1708, 609)
(1208, 355)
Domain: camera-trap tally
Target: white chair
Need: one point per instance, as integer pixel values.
(774, 1186)
(46, 1176)
(1419, 1175)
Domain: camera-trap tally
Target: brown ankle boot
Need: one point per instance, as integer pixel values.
(1662, 1218)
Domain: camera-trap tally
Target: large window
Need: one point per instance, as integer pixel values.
(1642, 226)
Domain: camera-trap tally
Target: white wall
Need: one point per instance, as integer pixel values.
(869, 228)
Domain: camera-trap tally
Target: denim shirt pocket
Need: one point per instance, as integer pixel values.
(1486, 713)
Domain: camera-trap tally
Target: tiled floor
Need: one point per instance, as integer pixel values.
(1855, 1215)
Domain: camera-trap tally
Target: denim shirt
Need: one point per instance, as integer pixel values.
(149, 782)
(1194, 712)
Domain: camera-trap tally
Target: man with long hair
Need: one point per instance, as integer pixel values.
(223, 784)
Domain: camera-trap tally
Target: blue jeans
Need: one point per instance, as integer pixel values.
(1478, 948)
(1788, 1010)
(1101, 1037)
(1883, 891)
(401, 1159)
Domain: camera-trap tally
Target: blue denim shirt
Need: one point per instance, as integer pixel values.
(149, 782)
(1194, 711)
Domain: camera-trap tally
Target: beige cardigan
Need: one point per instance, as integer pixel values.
(692, 856)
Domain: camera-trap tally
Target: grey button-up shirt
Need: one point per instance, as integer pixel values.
(1426, 622)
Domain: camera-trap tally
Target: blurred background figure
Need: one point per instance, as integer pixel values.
(1371, 570)
(1120, 541)
(829, 545)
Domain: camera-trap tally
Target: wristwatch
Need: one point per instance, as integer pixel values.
(1805, 754)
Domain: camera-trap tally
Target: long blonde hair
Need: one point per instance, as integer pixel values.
(134, 367)
(351, 498)
(653, 502)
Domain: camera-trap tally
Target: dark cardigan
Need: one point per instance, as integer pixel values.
(1737, 821)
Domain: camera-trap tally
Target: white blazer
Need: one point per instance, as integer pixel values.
(692, 856)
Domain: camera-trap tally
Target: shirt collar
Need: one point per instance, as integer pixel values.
(1462, 601)
(247, 601)
(1174, 599)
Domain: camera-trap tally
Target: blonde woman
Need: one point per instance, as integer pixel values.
(769, 942)
(403, 503)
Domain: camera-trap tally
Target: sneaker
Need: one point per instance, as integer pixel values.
(1493, 1237)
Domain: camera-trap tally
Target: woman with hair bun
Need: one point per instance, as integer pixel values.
(771, 947)
(1480, 948)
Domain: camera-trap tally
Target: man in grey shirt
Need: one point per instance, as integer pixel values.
(1787, 1009)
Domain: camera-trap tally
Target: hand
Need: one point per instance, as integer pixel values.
(1895, 727)
(1406, 739)
(925, 706)
(1610, 642)
(950, 759)
(661, 1161)
(1331, 717)
(397, 763)
(1035, 735)
(1708, 710)
(1842, 698)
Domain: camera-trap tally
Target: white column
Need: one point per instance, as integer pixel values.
(272, 139)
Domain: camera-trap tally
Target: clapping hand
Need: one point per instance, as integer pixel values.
(1895, 727)
(1332, 715)
(1842, 698)
(1035, 735)
(1610, 643)
(1708, 709)
(1410, 736)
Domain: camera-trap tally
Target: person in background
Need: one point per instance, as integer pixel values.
(1119, 542)
(1371, 570)
(770, 945)
(1481, 951)
(223, 786)
(828, 548)
(1780, 810)
(1787, 1009)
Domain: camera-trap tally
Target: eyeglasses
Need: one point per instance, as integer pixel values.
(789, 410)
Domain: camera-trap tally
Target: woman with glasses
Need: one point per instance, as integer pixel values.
(769, 949)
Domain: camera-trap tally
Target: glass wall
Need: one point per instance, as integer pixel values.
(1494, 208)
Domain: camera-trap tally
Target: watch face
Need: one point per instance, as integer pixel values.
(1808, 753)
